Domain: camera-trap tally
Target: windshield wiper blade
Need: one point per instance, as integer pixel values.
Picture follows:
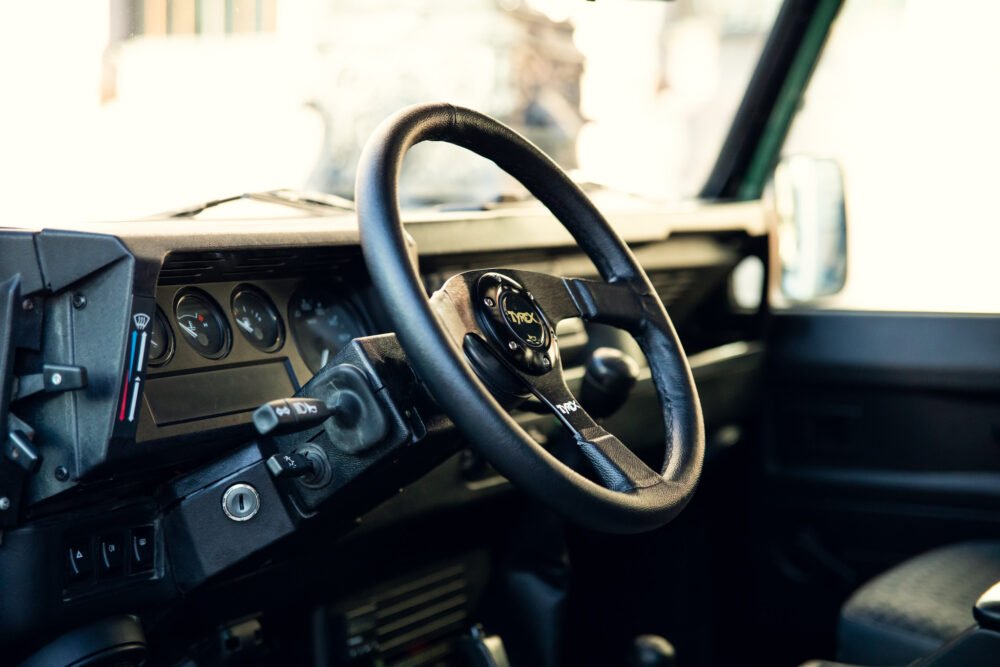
(308, 198)
(308, 201)
(192, 211)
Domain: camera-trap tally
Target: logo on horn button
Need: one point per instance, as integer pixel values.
(523, 319)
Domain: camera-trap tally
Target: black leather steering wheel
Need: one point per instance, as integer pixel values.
(488, 337)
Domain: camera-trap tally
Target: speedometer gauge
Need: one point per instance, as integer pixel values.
(322, 325)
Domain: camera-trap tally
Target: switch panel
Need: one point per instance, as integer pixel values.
(109, 556)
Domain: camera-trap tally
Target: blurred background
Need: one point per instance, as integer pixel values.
(121, 108)
(153, 104)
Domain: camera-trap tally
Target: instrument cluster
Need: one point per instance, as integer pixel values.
(319, 319)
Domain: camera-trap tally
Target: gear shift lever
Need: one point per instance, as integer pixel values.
(607, 382)
(652, 651)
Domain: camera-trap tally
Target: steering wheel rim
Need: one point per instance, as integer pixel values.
(439, 361)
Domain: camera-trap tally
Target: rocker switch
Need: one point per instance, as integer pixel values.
(79, 563)
(112, 553)
(142, 549)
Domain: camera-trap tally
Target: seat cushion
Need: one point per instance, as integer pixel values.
(915, 607)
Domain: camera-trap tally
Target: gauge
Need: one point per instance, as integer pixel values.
(202, 324)
(257, 319)
(161, 340)
(322, 325)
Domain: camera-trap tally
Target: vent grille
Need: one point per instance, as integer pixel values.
(673, 284)
(435, 271)
(412, 624)
(212, 266)
(189, 267)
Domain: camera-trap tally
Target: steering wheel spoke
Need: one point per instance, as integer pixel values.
(615, 304)
(451, 305)
(614, 464)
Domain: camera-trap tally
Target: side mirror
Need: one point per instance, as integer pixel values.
(808, 198)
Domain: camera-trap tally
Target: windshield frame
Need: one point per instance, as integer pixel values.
(764, 116)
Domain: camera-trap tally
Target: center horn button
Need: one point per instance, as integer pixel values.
(515, 322)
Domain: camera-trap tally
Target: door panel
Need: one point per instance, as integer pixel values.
(882, 440)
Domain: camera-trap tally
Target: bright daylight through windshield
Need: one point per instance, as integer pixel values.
(129, 107)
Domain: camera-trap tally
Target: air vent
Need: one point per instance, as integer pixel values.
(414, 623)
(267, 260)
(436, 270)
(682, 290)
(189, 267)
(211, 266)
(672, 284)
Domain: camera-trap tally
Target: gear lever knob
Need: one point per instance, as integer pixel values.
(609, 377)
(652, 651)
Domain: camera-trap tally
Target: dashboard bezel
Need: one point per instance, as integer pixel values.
(241, 352)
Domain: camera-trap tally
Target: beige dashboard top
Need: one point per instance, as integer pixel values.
(249, 224)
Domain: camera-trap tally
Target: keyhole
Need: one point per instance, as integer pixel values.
(240, 502)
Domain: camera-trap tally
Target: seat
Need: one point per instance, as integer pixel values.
(914, 608)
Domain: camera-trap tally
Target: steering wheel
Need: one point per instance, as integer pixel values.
(487, 338)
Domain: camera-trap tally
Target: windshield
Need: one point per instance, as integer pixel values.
(122, 108)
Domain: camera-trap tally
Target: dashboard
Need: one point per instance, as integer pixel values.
(191, 323)
(167, 334)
